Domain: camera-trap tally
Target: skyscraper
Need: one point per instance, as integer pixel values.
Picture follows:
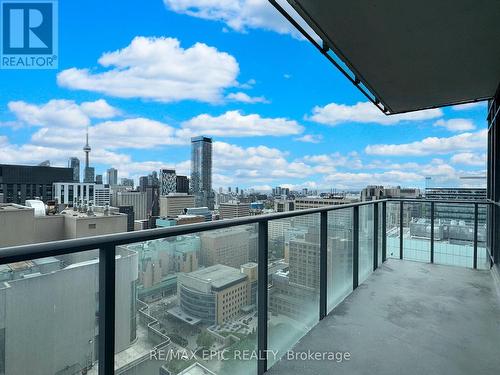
(168, 181)
(201, 171)
(89, 171)
(112, 176)
(74, 163)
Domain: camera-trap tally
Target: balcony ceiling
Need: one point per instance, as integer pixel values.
(414, 54)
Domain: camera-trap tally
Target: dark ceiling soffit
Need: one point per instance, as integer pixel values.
(353, 76)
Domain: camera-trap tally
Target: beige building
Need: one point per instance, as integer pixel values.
(213, 295)
(232, 210)
(175, 203)
(19, 225)
(226, 246)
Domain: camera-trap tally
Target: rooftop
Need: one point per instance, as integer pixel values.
(219, 275)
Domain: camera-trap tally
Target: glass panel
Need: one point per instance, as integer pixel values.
(188, 302)
(392, 228)
(294, 282)
(483, 257)
(339, 251)
(49, 315)
(380, 233)
(454, 234)
(417, 231)
(365, 242)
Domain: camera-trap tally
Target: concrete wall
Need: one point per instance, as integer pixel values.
(50, 320)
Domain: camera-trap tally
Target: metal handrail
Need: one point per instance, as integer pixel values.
(40, 250)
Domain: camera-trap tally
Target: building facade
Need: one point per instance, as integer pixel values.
(168, 181)
(174, 204)
(19, 183)
(74, 164)
(201, 171)
(112, 176)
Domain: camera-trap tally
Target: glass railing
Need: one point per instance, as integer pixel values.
(224, 297)
(443, 232)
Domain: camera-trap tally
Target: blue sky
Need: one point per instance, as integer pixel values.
(146, 76)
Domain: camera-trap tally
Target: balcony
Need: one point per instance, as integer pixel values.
(396, 285)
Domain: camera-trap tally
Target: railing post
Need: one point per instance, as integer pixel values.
(375, 236)
(384, 231)
(476, 219)
(107, 310)
(401, 224)
(355, 247)
(432, 232)
(262, 298)
(323, 263)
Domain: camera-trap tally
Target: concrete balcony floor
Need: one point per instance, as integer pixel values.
(409, 318)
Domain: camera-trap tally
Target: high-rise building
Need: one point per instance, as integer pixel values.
(89, 171)
(232, 210)
(174, 204)
(201, 171)
(112, 175)
(127, 182)
(70, 192)
(74, 163)
(168, 181)
(182, 184)
(137, 199)
(226, 246)
(98, 179)
(20, 182)
(102, 195)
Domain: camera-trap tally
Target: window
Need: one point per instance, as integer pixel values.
(92, 226)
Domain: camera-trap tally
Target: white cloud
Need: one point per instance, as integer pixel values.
(469, 106)
(158, 69)
(61, 113)
(365, 112)
(432, 145)
(456, 124)
(310, 138)
(236, 124)
(99, 109)
(239, 15)
(245, 98)
(470, 159)
(136, 133)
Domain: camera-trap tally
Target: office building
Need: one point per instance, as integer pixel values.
(211, 295)
(127, 182)
(31, 295)
(284, 205)
(232, 210)
(69, 193)
(112, 176)
(168, 182)
(19, 183)
(200, 211)
(136, 199)
(175, 204)
(374, 192)
(102, 195)
(98, 179)
(182, 184)
(225, 246)
(74, 164)
(201, 172)
(129, 211)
